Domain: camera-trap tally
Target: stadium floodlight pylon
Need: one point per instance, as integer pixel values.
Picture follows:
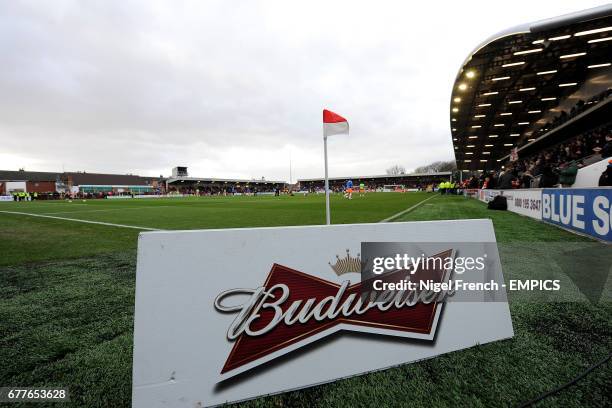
(333, 124)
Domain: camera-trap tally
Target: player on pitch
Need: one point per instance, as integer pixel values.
(361, 189)
(348, 191)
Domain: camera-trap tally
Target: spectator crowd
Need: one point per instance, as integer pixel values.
(556, 166)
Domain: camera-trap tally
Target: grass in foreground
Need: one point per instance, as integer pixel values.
(31, 239)
(69, 322)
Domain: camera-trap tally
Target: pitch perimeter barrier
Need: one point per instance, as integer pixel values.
(584, 210)
(121, 197)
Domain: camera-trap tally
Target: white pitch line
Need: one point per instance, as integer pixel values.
(42, 204)
(399, 214)
(83, 221)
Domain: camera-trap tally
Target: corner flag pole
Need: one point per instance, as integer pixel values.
(333, 124)
(327, 215)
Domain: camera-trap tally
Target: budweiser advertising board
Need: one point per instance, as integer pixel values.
(228, 315)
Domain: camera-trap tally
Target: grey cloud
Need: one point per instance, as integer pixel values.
(233, 88)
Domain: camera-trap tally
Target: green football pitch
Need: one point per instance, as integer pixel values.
(67, 303)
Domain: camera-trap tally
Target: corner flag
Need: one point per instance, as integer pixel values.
(333, 124)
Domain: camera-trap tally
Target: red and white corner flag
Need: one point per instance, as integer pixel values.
(334, 124)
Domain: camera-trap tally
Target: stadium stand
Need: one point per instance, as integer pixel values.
(417, 181)
(531, 120)
(215, 186)
(181, 183)
(531, 106)
(556, 165)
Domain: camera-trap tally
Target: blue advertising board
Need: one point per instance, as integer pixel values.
(585, 210)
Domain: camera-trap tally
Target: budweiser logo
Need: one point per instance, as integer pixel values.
(293, 309)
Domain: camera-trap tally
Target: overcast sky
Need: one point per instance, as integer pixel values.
(232, 88)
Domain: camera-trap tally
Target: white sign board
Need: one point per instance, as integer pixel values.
(588, 176)
(18, 186)
(200, 333)
(486, 195)
(526, 202)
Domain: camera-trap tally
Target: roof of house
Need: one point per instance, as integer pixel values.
(21, 175)
(105, 179)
